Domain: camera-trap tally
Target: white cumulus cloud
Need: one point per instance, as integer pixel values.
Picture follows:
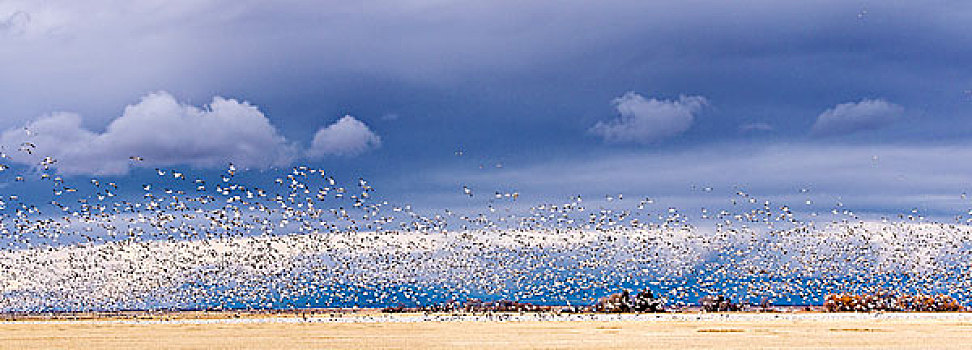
(158, 129)
(851, 117)
(648, 120)
(346, 137)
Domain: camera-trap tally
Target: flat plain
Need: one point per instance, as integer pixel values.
(685, 331)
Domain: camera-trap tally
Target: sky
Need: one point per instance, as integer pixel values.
(858, 104)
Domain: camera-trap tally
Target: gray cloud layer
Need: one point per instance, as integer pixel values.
(882, 178)
(15, 24)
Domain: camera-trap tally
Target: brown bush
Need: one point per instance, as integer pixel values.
(617, 302)
(714, 303)
(888, 302)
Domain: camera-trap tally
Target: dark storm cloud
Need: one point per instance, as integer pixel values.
(502, 80)
(95, 56)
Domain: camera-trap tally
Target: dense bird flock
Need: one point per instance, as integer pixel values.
(304, 239)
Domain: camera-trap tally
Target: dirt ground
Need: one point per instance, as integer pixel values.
(871, 334)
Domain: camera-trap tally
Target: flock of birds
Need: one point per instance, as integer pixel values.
(305, 240)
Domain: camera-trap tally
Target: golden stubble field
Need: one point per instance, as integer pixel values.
(869, 334)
